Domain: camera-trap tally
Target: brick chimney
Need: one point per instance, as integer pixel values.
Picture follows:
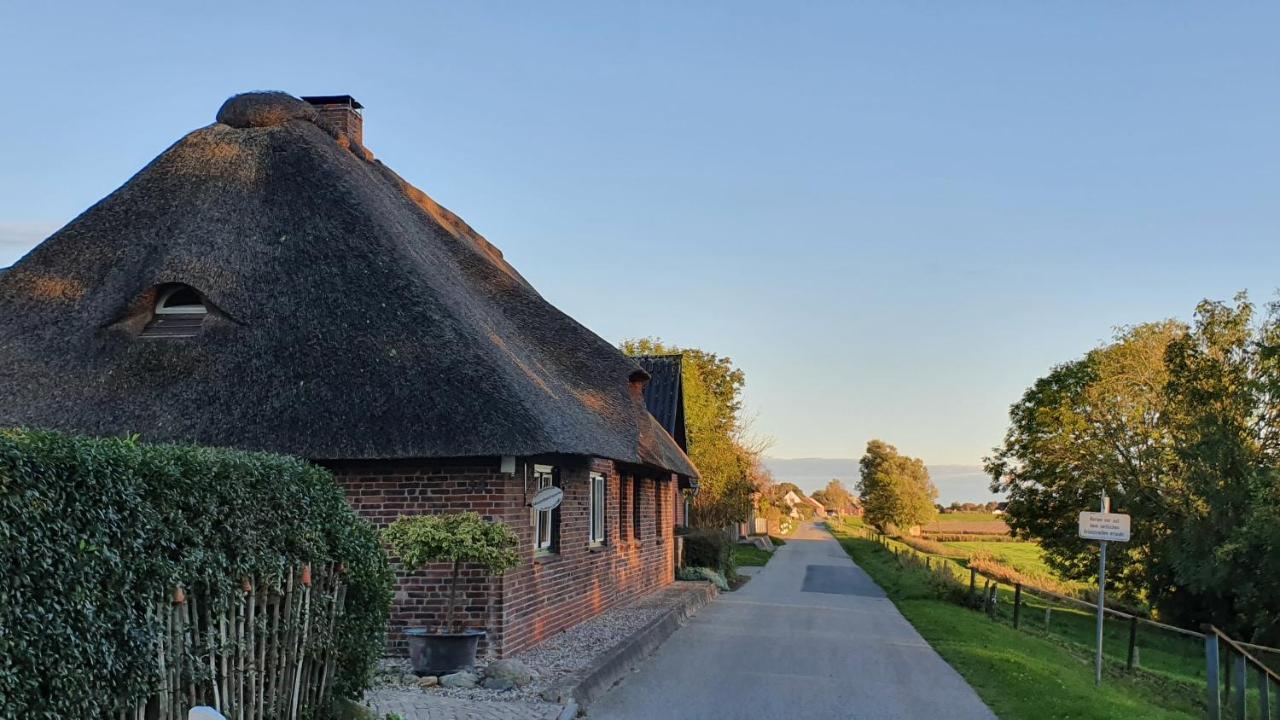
(342, 113)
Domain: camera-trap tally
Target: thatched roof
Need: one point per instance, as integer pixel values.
(350, 316)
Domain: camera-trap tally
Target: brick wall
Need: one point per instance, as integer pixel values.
(546, 593)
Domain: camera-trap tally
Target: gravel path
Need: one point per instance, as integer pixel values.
(396, 688)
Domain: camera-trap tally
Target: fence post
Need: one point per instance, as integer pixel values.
(1264, 695)
(1047, 612)
(1241, 673)
(991, 600)
(1133, 643)
(1017, 604)
(973, 580)
(1211, 674)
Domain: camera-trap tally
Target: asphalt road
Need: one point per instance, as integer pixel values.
(809, 636)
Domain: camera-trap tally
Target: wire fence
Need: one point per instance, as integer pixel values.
(1136, 643)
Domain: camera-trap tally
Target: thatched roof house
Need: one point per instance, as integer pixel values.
(265, 283)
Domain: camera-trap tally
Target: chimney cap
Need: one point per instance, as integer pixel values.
(333, 100)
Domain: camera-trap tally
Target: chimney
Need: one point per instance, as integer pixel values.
(342, 113)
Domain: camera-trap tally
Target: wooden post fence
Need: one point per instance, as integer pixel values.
(1130, 661)
(1017, 604)
(1211, 675)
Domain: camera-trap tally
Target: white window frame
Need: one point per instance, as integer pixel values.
(163, 308)
(599, 489)
(544, 476)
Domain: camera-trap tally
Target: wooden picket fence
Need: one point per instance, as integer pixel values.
(265, 654)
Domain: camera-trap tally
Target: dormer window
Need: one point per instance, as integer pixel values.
(179, 313)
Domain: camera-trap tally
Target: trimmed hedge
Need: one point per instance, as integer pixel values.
(95, 532)
(709, 548)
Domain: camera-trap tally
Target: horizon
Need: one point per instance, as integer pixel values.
(893, 219)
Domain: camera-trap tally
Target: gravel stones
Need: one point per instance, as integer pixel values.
(510, 671)
(462, 679)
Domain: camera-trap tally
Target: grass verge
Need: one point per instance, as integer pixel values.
(1019, 674)
(749, 555)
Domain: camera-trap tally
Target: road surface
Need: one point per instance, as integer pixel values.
(809, 636)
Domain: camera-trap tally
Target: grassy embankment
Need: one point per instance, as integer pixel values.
(1027, 673)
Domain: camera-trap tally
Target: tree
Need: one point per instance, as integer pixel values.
(457, 539)
(727, 456)
(896, 490)
(1180, 426)
(837, 497)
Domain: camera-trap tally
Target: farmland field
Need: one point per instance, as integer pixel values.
(1025, 557)
(967, 522)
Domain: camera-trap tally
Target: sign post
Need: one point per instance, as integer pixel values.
(1103, 526)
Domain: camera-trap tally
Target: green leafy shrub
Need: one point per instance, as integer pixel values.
(456, 539)
(703, 573)
(709, 548)
(96, 533)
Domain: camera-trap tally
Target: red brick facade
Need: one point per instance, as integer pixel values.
(547, 592)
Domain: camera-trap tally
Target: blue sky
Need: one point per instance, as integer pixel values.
(892, 216)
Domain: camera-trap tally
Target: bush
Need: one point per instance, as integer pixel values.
(459, 538)
(703, 573)
(709, 548)
(102, 542)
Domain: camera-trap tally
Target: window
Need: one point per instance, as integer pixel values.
(545, 522)
(179, 312)
(597, 508)
(636, 493)
(688, 507)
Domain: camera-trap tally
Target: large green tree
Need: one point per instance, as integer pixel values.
(896, 489)
(728, 459)
(1178, 424)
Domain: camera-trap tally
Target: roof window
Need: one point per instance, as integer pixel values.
(179, 313)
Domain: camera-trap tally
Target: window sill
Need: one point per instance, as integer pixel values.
(597, 546)
(545, 556)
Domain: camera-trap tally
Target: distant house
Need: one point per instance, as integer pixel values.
(266, 284)
(794, 500)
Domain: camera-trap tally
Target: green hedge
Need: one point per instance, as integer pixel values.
(709, 548)
(95, 532)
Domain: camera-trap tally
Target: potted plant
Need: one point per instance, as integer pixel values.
(461, 538)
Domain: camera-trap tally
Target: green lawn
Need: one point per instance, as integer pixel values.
(1025, 673)
(746, 555)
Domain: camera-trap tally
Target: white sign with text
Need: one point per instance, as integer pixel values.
(1113, 527)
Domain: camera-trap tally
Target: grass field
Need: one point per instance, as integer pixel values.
(1025, 557)
(1024, 673)
(956, 517)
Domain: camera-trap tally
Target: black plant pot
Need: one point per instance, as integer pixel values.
(442, 653)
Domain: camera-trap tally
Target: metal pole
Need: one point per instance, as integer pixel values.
(1102, 595)
(1211, 674)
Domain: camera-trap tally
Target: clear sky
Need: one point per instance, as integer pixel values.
(892, 216)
